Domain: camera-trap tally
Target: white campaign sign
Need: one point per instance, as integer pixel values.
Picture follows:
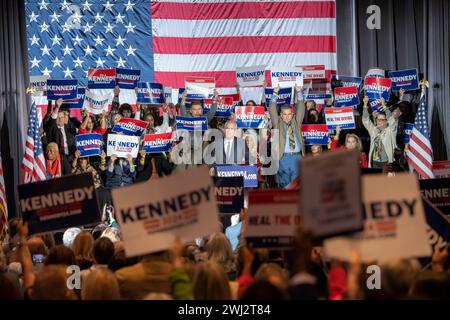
(394, 222)
(122, 145)
(250, 76)
(286, 77)
(153, 213)
(94, 103)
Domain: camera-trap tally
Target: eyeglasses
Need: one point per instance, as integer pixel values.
(381, 119)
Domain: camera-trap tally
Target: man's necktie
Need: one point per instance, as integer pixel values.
(291, 137)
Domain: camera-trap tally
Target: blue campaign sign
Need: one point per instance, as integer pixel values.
(191, 124)
(437, 191)
(151, 93)
(436, 220)
(345, 81)
(408, 129)
(229, 194)
(318, 96)
(59, 203)
(64, 89)
(156, 143)
(284, 96)
(127, 78)
(404, 79)
(250, 174)
(89, 144)
(76, 103)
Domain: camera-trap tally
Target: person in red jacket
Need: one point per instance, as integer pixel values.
(88, 125)
(352, 141)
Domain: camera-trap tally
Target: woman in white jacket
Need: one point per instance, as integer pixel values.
(382, 135)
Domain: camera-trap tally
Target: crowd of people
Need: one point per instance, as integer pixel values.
(219, 265)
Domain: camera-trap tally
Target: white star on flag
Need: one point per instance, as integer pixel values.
(77, 40)
(130, 27)
(129, 6)
(87, 27)
(78, 62)
(76, 17)
(98, 17)
(34, 40)
(33, 17)
(120, 41)
(56, 40)
(100, 62)
(109, 27)
(109, 51)
(66, 27)
(44, 27)
(35, 62)
(43, 5)
(88, 51)
(98, 40)
(130, 51)
(86, 6)
(45, 50)
(67, 73)
(67, 50)
(121, 63)
(55, 17)
(108, 6)
(119, 18)
(46, 72)
(56, 62)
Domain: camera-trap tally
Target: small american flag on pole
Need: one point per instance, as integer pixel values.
(33, 163)
(3, 206)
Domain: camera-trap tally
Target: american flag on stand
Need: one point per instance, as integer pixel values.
(33, 163)
(419, 153)
(169, 40)
(3, 206)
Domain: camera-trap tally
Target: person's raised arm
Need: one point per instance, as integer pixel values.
(183, 104)
(299, 105)
(210, 115)
(273, 107)
(366, 117)
(25, 256)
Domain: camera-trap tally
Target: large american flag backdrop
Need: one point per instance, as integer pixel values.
(168, 40)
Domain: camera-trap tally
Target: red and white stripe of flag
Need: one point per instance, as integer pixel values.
(420, 155)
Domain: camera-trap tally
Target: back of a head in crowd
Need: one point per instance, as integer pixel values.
(100, 284)
(51, 284)
(219, 247)
(263, 290)
(82, 246)
(274, 274)
(210, 282)
(103, 250)
(69, 236)
(60, 255)
(431, 285)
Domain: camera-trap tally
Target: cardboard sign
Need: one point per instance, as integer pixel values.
(76, 103)
(408, 128)
(437, 191)
(346, 97)
(284, 96)
(200, 86)
(330, 201)
(38, 85)
(441, 169)
(249, 117)
(122, 145)
(130, 127)
(404, 79)
(318, 96)
(127, 78)
(342, 117)
(236, 98)
(345, 81)
(438, 224)
(150, 93)
(59, 203)
(286, 77)
(191, 124)
(250, 174)
(168, 95)
(377, 88)
(229, 194)
(313, 72)
(272, 218)
(394, 222)
(315, 134)
(151, 214)
(375, 72)
(101, 78)
(224, 109)
(158, 142)
(61, 89)
(89, 144)
(250, 76)
(94, 103)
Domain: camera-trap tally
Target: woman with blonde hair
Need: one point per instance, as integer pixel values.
(352, 141)
(82, 248)
(101, 284)
(219, 250)
(210, 282)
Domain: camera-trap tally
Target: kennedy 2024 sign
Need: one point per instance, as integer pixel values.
(122, 145)
(59, 203)
(152, 214)
(346, 97)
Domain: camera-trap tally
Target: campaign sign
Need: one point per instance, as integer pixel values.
(59, 203)
(127, 78)
(345, 81)
(408, 129)
(38, 85)
(404, 79)
(272, 218)
(250, 76)
(64, 89)
(315, 134)
(438, 224)
(250, 174)
(394, 222)
(317, 86)
(342, 117)
(152, 214)
(437, 191)
(150, 93)
(249, 117)
(286, 77)
(89, 144)
(94, 103)
(156, 143)
(101, 78)
(130, 127)
(346, 97)
(235, 97)
(441, 169)
(76, 103)
(313, 72)
(168, 94)
(284, 96)
(377, 88)
(229, 194)
(375, 72)
(224, 107)
(200, 86)
(318, 96)
(122, 145)
(191, 124)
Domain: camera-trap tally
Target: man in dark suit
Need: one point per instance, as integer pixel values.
(232, 150)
